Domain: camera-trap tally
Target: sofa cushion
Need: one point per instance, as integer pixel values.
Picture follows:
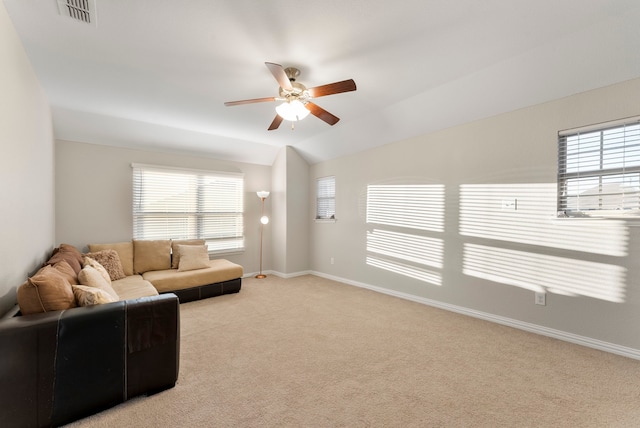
(219, 270)
(133, 287)
(67, 271)
(110, 260)
(124, 250)
(91, 277)
(151, 254)
(89, 296)
(68, 253)
(47, 290)
(175, 250)
(193, 257)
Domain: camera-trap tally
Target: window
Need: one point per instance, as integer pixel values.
(326, 198)
(185, 204)
(599, 170)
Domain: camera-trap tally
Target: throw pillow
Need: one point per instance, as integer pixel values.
(88, 261)
(124, 250)
(47, 290)
(151, 255)
(91, 277)
(68, 253)
(110, 260)
(193, 257)
(67, 271)
(88, 296)
(175, 249)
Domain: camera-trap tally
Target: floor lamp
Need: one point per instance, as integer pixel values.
(263, 194)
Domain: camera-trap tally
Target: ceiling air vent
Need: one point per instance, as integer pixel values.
(80, 10)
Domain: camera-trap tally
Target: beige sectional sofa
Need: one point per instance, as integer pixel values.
(93, 330)
(73, 346)
(166, 266)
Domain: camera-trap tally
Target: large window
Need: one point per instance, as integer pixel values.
(599, 170)
(326, 198)
(185, 204)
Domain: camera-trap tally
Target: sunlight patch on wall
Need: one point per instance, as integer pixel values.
(404, 216)
(416, 206)
(413, 248)
(525, 213)
(540, 272)
(404, 269)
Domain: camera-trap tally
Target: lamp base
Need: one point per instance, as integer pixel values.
(261, 276)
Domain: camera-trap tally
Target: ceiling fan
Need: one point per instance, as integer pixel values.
(296, 98)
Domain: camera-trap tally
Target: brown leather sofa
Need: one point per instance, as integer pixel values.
(57, 367)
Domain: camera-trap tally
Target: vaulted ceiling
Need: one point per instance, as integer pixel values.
(154, 74)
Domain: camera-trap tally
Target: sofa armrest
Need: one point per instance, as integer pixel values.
(153, 344)
(59, 366)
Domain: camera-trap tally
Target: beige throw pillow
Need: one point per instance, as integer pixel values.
(88, 261)
(175, 250)
(91, 277)
(193, 257)
(124, 250)
(68, 253)
(89, 296)
(47, 290)
(67, 271)
(110, 260)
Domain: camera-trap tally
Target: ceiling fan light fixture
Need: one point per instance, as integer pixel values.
(292, 110)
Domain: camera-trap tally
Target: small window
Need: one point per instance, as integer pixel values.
(599, 170)
(173, 203)
(326, 198)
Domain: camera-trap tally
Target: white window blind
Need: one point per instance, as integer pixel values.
(185, 204)
(326, 198)
(599, 170)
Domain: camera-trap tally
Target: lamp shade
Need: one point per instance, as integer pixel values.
(292, 111)
(262, 194)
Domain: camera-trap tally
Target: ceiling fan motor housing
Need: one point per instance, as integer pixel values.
(292, 73)
(297, 92)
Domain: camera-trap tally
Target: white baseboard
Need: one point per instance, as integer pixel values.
(521, 325)
(279, 274)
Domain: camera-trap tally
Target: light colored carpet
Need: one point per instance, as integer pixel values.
(310, 352)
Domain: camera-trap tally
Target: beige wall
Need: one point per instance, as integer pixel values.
(94, 199)
(289, 251)
(26, 167)
(276, 251)
(298, 215)
(496, 268)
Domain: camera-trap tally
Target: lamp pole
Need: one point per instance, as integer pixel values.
(263, 194)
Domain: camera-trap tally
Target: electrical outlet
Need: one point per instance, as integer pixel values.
(331, 260)
(541, 299)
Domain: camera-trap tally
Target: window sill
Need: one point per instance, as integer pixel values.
(601, 215)
(226, 253)
(630, 221)
(325, 220)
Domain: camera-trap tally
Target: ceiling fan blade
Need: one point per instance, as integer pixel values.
(332, 88)
(276, 123)
(321, 113)
(280, 75)
(254, 100)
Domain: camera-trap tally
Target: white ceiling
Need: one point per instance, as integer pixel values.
(154, 74)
